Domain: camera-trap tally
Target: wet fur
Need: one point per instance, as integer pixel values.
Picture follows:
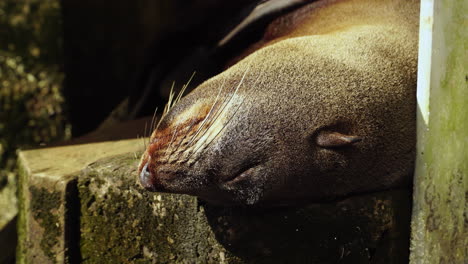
(248, 135)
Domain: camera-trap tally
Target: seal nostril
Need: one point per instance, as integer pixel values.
(145, 177)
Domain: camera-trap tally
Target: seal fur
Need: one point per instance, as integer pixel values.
(321, 108)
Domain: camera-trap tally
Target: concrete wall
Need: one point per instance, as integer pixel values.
(439, 223)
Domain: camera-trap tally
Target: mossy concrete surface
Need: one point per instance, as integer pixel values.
(440, 211)
(46, 189)
(8, 201)
(101, 215)
(121, 223)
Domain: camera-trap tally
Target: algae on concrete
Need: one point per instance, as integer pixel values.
(48, 212)
(41, 222)
(440, 211)
(122, 223)
(8, 200)
(43, 208)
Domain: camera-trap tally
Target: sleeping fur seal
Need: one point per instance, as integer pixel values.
(321, 108)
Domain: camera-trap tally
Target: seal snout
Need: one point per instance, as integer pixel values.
(157, 179)
(146, 179)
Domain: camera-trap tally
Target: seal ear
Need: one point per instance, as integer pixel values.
(329, 139)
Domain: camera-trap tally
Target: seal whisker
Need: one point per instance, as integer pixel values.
(229, 120)
(159, 123)
(170, 99)
(170, 143)
(182, 140)
(153, 119)
(225, 124)
(144, 135)
(224, 105)
(218, 133)
(171, 102)
(179, 96)
(165, 110)
(142, 142)
(208, 115)
(232, 96)
(173, 137)
(184, 87)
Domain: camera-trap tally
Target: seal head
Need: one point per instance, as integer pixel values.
(310, 118)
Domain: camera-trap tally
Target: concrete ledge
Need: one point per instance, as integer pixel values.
(46, 183)
(101, 215)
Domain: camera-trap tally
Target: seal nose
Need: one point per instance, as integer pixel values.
(145, 178)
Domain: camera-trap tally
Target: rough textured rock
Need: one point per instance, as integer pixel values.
(121, 223)
(102, 215)
(8, 201)
(46, 191)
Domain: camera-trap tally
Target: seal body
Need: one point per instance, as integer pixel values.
(321, 108)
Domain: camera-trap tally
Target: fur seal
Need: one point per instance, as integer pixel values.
(321, 108)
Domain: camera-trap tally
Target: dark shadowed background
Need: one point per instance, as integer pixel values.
(65, 65)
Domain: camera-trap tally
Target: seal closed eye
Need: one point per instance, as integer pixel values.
(321, 108)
